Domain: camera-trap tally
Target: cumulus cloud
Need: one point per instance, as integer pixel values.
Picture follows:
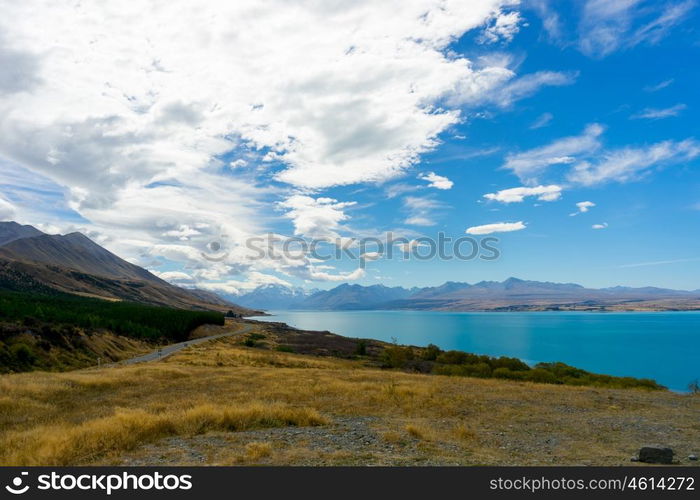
(177, 277)
(530, 164)
(437, 181)
(159, 122)
(518, 194)
(583, 207)
(659, 113)
(497, 227)
(504, 27)
(316, 218)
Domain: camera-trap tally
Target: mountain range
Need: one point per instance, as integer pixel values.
(31, 260)
(512, 294)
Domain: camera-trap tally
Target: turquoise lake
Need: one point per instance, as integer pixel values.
(664, 346)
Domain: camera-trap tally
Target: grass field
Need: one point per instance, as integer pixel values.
(224, 403)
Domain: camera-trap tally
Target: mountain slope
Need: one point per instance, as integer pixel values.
(347, 296)
(11, 231)
(511, 294)
(272, 296)
(75, 251)
(75, 264)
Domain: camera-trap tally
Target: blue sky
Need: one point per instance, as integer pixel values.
(401, 127)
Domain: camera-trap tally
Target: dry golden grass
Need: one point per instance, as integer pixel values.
(107, 416)
(127, 428)
(417, 431)
(256, 451)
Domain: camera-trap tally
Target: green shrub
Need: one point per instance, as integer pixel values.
(23, 354)
(396, 356)
(452, 358)
(431, 352)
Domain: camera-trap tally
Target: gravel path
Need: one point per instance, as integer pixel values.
(166, 351)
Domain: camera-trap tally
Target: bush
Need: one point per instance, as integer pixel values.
(431, 352)
(396, 356)
(452, 358)
(284, 348)
(23, 354)
(542, 376)
(361, 348)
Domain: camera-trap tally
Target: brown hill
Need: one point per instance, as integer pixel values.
(75, 264)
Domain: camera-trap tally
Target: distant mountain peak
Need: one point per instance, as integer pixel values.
(11, 231)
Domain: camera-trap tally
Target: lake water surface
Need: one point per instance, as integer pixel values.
(664, 346)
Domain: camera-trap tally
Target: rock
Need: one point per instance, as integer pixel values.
(656, 455)
(634, 459)
(692, 457)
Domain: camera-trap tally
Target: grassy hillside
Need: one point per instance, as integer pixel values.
(224, 403)
(61, 331)
(432, 359)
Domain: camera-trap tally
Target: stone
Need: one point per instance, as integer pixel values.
(692, 457)
(634, 459)
(656, 455)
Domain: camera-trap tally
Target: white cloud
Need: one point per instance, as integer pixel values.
(530, 164)
(551, 21)
(399, 189)
(421, 210)
(607, 26)
(498, 227)
(316, 218)
(656, 113)
(604, 225)
(251, 281)
(632, 163)
(159, 122)
(238, 163)
(590, 164)
(497, 84)
(583, 207)
(312, 273)
(504, 27)
(176, 277)
(371, 255)
(7, 209)
(542, 121)
(437, 181)
(406, 248)
(659, 86)
(518, 194)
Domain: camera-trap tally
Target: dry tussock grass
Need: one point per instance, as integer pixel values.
(255, 450)
(92, 416)
(127, 428)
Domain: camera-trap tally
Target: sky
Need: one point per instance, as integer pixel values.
(563, 133)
